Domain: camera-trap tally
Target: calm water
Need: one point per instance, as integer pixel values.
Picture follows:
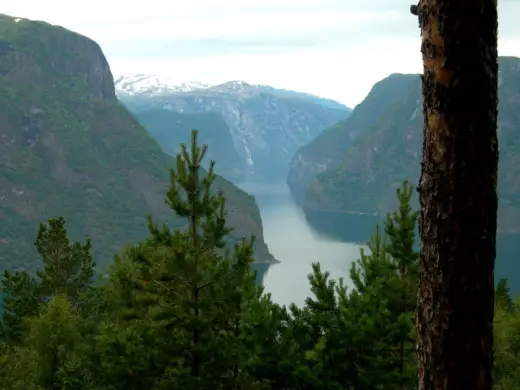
(333, 240)
(292, 241)
(358, 227)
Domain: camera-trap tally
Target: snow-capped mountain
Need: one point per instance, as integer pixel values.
(267, 125)
(153, 85)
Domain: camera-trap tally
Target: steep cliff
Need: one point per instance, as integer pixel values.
(170, 128)
(327, 149)
(69, 148)
(267, 125)
(364, 179)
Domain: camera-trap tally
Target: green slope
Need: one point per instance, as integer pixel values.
(326, 151)
(389, 151)
(69, 148)
(170, 128)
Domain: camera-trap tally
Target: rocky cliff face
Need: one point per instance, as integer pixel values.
(78, 60)
(69, 148)
(267, 125)
(364, 178)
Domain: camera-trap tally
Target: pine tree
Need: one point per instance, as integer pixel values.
(503, 297)
(67, 267)
(458, 194)
(53, 355)
(400, 227)
(349, 337)
(192, 285)
(364, 340)
(21, 300)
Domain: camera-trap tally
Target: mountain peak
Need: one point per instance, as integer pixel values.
(237, 86)
(162, 86)
(152, 84)
(38, 53)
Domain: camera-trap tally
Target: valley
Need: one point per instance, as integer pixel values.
(296, 243)
(344, 163)
(177, 213)
(266, 125)
(70, 149)
(383, 148)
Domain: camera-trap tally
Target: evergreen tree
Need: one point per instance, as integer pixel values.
(52, 355)
(364, 339)
(400, 227)
(372, 306)
(193, 287)
(181, 310)
(502, 296)
(21, 299)
(67, 267)
(458, 193)
(506, 346)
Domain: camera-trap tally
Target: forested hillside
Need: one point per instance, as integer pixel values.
(69, 148)
(176, 313)
(383, 143)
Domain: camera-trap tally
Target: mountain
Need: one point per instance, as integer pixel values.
(151, 85)
(327, 103)
(326, 150)
(70, 148)
(170, 128)
(387, 150)
(266, 125)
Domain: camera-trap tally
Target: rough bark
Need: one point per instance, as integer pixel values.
(458, 194)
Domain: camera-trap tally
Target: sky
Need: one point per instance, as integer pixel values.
(332, 48)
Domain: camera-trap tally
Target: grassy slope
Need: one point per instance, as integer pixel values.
(69, 148)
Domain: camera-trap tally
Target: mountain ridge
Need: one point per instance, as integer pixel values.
(151, 84)
(387, 150)
(310, 160)
(266, 127)
(70, 148)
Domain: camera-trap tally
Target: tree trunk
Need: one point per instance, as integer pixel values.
(458, 194)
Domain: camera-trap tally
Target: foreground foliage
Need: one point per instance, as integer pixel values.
(179, 311)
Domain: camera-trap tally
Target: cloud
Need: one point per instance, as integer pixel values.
(334, 48)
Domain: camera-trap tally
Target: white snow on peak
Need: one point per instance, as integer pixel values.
(147, 84)
(135, 84)
(157, 85)
(235, 86)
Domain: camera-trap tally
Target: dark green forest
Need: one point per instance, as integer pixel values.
(180, 311)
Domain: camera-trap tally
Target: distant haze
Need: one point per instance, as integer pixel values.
(332, 48)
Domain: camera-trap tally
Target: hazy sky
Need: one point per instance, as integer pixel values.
(333, 48)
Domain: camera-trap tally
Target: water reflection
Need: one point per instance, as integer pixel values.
(358, 228)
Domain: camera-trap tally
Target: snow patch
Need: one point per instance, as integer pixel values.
(155, 85)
